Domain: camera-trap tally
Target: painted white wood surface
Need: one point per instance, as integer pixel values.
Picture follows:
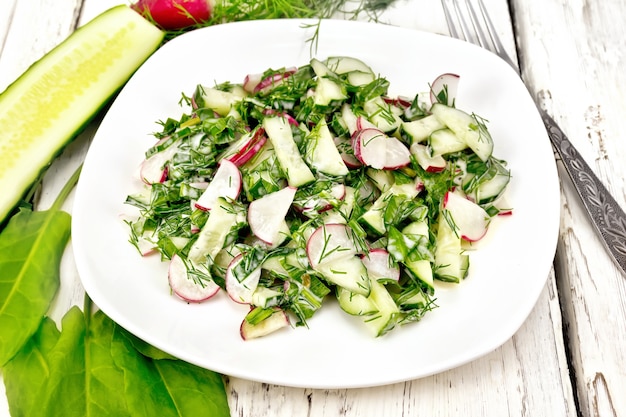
(574, 55)
(528, 375)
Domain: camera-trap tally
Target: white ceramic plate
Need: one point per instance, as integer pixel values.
(474, 318)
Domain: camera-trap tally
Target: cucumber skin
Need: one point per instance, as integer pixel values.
(22, 162)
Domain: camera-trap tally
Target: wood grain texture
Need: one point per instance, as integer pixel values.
(527, 376)
(573, 59)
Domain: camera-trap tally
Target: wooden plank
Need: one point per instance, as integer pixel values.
(34, 29)
(514, 380)
(527, 376)
(573, 61)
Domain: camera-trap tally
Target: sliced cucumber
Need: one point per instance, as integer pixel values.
(345, 64)
(451, 264)
(281, 137)
(328, 92)
(387, 316)
(355, 304)
(347, 272)
(467, 127)
(419, 130)
(213, 234)
(57, 96)
(219, 101)
(444, 141)
(373, 217)
(385, 116)
(322, 154)
(360, 79)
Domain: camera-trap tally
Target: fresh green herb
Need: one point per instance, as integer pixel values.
(92, 367)
(31, 247)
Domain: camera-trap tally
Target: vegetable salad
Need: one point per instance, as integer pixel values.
(303, 184)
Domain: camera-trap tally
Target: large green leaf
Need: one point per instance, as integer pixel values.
(31, 247)
(173, 387)
(91, 368)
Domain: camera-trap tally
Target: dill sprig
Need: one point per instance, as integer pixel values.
(226, 11)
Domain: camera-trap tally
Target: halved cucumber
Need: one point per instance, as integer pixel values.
(57, 96)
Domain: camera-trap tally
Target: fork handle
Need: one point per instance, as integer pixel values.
(607, 216)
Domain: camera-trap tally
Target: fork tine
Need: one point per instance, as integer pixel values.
(449, 20)
(495, 39)
(480, 29)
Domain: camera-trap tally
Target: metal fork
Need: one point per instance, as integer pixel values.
(607, 216)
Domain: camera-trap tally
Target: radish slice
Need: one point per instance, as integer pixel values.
(251, 81)
(448, 82)
(427, 162)
(374, 148)
(185, 287)
(226, 183)
(266, 215)
(269, 82)
(397, 155)
(363, 123)
(470, 219)
(248, 147)
(276, 321)
(344, 146)
(154, 169)
(370, 147)
(241, 291)
(328, 243)
(379, 265)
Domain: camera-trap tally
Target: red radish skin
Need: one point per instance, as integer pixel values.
(249, 148)
(225, 183)
(290, 119)
(269, 82)
(241, 291)
(398, 101)
(449, 81)
(154, 169)
(175, 14)
(427, 162)
(251, 81)
(185, 288)
(344, 146)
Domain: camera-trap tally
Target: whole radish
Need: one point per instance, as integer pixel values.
(175, 14)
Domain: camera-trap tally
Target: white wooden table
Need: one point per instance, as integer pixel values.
(569, 358)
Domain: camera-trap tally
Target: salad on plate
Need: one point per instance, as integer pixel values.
(307, 183)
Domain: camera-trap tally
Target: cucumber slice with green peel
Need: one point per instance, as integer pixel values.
(57, 96)
(444, 141)
(355, 304)
(289, 158)
(470, 128)
(387, 316)
(451, 264)
(346, 64)
(419, 130)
